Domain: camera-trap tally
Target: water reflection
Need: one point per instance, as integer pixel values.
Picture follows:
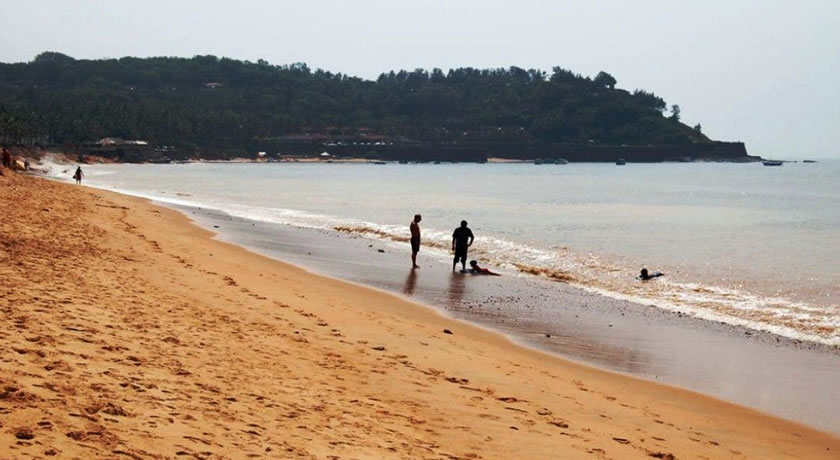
(410, 282)
(455, 290)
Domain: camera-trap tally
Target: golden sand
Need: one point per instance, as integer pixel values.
(130, 333)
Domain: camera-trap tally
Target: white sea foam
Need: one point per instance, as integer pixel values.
(795, 320)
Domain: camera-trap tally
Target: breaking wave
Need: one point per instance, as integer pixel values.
(777, 315)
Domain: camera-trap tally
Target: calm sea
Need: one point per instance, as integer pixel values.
(739, 243)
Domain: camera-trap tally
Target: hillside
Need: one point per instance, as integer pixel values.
(218, 104)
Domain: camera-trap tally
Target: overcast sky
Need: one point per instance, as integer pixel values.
(763, 72)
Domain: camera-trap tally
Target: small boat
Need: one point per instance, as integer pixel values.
(809, 161)
(772, 163)
(621, 162)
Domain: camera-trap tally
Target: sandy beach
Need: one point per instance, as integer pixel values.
(789, 379)
(131, 333)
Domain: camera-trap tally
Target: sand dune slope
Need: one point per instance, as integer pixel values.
(129, 333)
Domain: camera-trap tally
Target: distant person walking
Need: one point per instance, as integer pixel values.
(462, 238)
(415, 239)
(78, 175)
(7, 158)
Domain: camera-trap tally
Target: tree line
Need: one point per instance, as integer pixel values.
(197, 102)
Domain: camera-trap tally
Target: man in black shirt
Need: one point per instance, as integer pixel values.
(462, 238)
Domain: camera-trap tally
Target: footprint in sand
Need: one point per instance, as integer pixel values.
(24, 433)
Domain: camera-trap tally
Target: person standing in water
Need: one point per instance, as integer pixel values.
(415, 239)
(462, 238)
(78, 175)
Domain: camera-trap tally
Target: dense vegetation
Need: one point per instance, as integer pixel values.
(202, 100)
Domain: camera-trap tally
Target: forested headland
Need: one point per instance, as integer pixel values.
(213, 106)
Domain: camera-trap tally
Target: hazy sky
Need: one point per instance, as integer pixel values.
(764, 72)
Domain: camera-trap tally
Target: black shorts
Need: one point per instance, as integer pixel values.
(460, 254)
(415, 245)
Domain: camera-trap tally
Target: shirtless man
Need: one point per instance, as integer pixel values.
(415, 240)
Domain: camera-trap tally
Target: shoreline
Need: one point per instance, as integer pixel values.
(42, 152)
(362, 160)
(627, 348)
(383, 357)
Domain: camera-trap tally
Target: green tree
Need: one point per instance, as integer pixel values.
(605, 80)
(218, 103)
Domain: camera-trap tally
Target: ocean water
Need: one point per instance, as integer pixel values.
(739, 243)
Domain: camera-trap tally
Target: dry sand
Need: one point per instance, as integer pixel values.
(128, 332)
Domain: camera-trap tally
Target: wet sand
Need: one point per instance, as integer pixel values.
(131, 333)
(795, 380)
